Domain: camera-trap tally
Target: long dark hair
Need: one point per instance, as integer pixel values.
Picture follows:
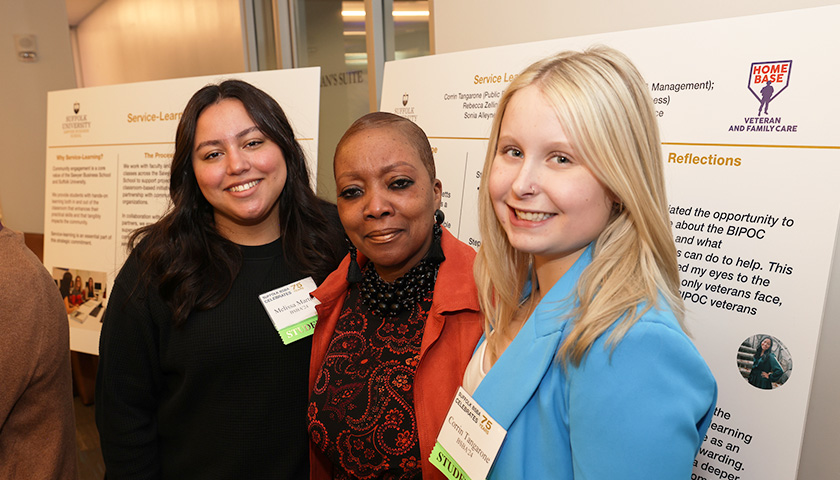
(65, 284)
(760, 351)
(193, 264)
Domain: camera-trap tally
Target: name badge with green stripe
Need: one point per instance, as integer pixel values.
(292, 310)
(468, 441)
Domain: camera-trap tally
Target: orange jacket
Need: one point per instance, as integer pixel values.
(451, 333)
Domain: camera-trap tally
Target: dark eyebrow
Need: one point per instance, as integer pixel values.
(383, 171)
(218, 142)
(396, 165)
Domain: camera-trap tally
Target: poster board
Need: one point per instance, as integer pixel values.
(752, 196)
(108, 155)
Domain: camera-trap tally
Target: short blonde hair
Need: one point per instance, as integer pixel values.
(602, 102)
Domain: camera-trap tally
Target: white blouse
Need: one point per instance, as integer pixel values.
(475, 373)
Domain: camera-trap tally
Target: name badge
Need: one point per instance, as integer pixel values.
(468, 442)
(292, 310)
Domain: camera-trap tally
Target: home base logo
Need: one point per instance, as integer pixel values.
(405, 110)
(767, 80)
(77, 124)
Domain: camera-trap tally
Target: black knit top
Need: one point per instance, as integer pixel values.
(220, 398)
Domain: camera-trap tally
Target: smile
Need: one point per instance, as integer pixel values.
(382, 236)
(532, 216)
(244, 186)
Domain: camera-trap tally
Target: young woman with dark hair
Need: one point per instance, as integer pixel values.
(89, 289)
(766, 369)
(65, 286)
(194, 380)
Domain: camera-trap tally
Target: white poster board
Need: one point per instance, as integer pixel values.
(108, 155)
(754, 201)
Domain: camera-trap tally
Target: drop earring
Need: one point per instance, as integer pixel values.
(354, 272)
(436, 251)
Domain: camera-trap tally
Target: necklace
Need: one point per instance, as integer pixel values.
(386, 298)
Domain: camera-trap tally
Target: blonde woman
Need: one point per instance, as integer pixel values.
(586, 363)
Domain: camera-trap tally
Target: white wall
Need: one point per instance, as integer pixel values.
(819, 449)
(23, 96)
(469, 24)
(126, 41)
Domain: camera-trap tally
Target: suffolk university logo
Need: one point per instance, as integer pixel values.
(76, 124)
(406, 111)
(767, 80)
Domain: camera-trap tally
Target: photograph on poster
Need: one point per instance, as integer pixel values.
(83, 292)
(764, 361)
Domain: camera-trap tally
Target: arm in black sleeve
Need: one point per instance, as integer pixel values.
(128, 381)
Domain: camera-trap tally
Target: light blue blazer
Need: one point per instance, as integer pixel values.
(637, 412)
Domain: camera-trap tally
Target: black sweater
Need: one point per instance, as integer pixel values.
(220, 398)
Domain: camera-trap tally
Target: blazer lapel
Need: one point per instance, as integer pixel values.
(515, 376)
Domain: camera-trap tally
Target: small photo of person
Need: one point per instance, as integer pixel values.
(83, 291)
(764, 361)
